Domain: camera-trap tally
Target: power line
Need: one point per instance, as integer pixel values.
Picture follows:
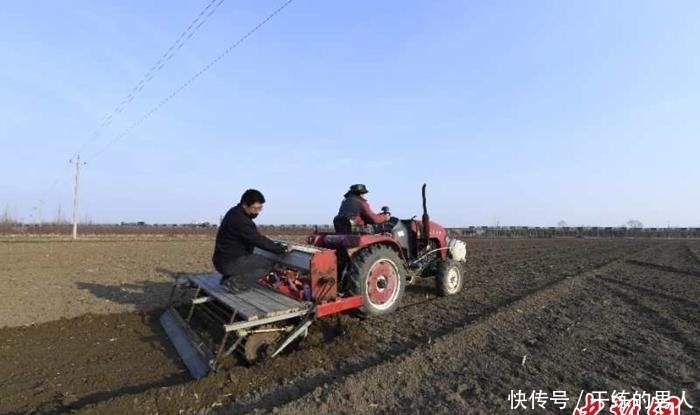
(190, 80)
(158, 66)
(186, 35)
(58, 178)
(43, 195)
(176, 91)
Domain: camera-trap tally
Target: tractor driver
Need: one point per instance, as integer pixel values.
(355, 208)
(236, 238)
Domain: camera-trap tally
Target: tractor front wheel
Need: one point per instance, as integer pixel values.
(449, 279)
(376, 274)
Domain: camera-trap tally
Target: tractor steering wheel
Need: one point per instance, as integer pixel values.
(393, 221)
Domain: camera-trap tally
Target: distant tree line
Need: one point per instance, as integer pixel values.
(631, 229)
(573, 232)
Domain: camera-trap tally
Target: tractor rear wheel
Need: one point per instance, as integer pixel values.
(376, 273)
(449, 279)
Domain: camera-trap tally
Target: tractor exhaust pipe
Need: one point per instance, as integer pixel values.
(426, 218)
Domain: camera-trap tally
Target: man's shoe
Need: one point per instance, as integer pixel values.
(233, 285)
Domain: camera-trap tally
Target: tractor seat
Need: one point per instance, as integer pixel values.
(341, 224)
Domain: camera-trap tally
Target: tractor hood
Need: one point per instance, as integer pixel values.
(436, 230)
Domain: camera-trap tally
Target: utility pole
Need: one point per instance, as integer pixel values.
(75, 197)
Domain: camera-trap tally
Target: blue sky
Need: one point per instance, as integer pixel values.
(513, 113)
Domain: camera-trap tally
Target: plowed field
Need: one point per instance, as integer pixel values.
(80, 334)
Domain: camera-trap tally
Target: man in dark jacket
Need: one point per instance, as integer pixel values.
(236, 238)
(356, 208)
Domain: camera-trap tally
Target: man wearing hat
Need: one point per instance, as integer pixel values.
(356, 209)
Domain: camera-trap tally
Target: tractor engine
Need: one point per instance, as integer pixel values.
(429, 259)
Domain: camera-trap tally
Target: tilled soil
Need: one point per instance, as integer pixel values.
(43, 280)
(565, 315)
(71, 362)
(591, 332)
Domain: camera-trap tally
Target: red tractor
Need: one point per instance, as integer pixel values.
(359, 270)
(379, 261)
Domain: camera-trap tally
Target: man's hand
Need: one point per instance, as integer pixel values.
(282, 248)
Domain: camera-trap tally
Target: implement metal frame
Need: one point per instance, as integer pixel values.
(237, 314)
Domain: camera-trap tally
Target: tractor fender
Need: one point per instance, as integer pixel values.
(388, 242)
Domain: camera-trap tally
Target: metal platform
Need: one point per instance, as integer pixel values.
(251, 304)
(239, 314)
